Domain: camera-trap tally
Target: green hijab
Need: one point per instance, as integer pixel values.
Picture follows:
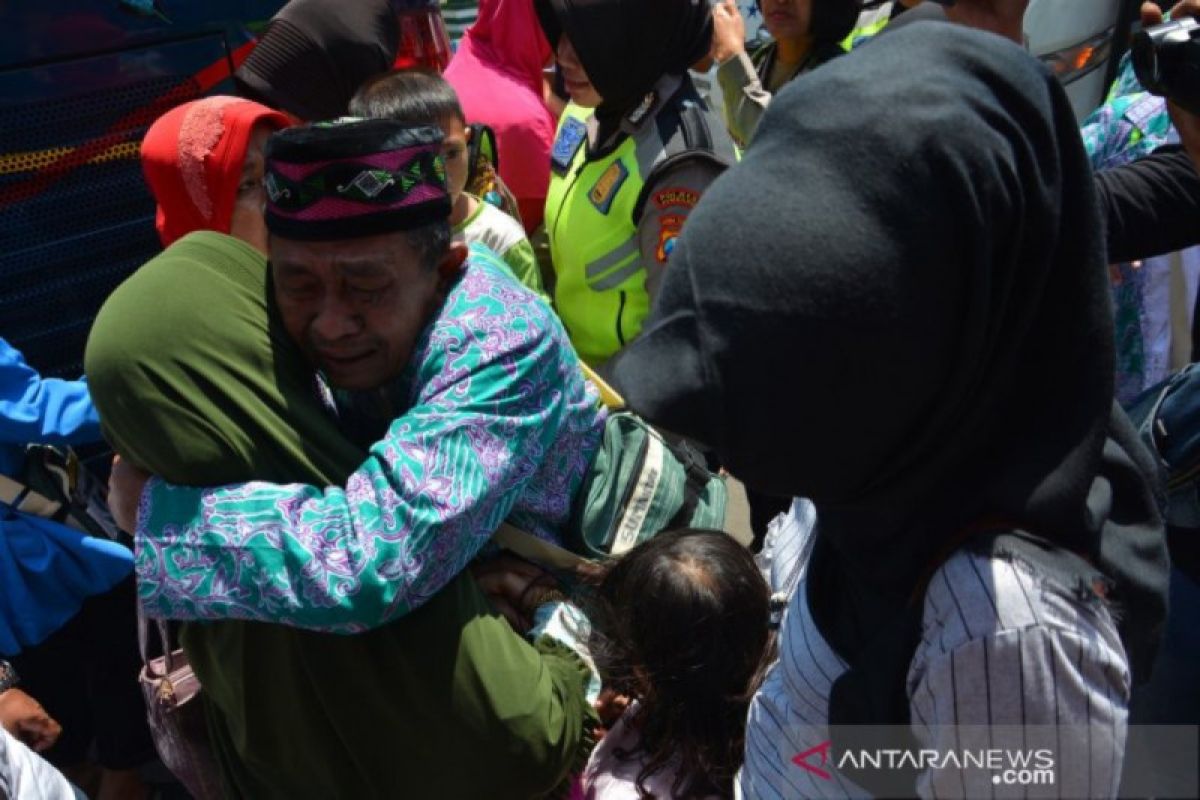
(197, 382)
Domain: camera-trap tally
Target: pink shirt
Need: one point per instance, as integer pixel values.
(497, 74)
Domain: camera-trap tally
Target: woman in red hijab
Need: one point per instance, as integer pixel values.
(204, 163)
(497, 74)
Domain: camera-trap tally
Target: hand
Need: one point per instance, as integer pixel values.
(610, 707)
(125, 486)
(729, 31)
(24, 718)
(515, 588)
(1186, 123)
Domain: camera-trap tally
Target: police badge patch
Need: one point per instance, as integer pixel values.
(606, 188)
(669, 227)
(566, 145)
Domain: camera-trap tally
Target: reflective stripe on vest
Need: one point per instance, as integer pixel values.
(864, 33)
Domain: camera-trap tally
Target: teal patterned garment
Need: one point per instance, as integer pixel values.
(496, 422)
(1131, 124)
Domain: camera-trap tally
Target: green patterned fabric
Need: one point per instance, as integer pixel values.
(196, 381)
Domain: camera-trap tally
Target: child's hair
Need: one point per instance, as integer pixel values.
(682, 624)
(412, 96)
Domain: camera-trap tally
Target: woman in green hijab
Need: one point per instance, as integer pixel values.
(197, 382)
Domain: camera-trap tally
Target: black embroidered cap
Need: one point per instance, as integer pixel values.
(351, 178)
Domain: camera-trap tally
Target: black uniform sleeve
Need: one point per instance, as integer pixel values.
(1151, 206)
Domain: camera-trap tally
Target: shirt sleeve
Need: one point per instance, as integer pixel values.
(1006, 663)
(524, 265)
(670, 198)
(744, 96)
(346, 559)
(37, 410)
(566, 624)
(1150, 207)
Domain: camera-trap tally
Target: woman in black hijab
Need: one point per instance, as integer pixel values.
(315, 54)
(634, 151)
(923, 347)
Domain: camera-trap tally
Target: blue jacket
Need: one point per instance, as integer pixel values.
(46, 569)
(37, 410)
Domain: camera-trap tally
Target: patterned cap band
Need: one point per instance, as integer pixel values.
(350, 178)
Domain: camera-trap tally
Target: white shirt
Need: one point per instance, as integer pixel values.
(24, 775)
(491, 227)
(999, 647)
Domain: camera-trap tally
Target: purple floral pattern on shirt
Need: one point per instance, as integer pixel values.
(500, 425)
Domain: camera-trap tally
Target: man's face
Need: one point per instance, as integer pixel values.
(356, 307)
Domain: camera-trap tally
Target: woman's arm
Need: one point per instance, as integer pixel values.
(41, 410)
(742, 91)
(1151, 206)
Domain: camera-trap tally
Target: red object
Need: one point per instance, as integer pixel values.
(192, 157)
(497, 74)
(423, 40)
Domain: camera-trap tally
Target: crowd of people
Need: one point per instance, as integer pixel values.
(875, 283)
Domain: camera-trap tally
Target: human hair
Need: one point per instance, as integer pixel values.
(412, 96)
(831, 21)
(681, 623)
(430, 242)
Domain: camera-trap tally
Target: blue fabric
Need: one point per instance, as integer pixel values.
(36, 410)
(46, 571)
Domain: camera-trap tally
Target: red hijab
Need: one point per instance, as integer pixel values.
(193, 156)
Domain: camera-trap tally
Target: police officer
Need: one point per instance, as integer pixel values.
(634, 151)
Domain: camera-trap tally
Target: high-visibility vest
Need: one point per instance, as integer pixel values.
(870, 23)
(592, 210)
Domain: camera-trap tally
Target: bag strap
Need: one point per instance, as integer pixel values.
(696, 480)
(609, 396)
(164, 638)
(21, 498)
(540, 551)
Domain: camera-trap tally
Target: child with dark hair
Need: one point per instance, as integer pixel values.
(423, 98)
(681, 626)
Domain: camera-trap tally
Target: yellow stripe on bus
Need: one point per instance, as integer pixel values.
(37, 160)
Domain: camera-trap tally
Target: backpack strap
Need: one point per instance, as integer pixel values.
(694, 487)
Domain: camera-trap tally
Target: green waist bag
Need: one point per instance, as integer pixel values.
(639, 485)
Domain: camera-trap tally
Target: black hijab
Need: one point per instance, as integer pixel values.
(916, 330)
(626, 46)
(315, 54)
